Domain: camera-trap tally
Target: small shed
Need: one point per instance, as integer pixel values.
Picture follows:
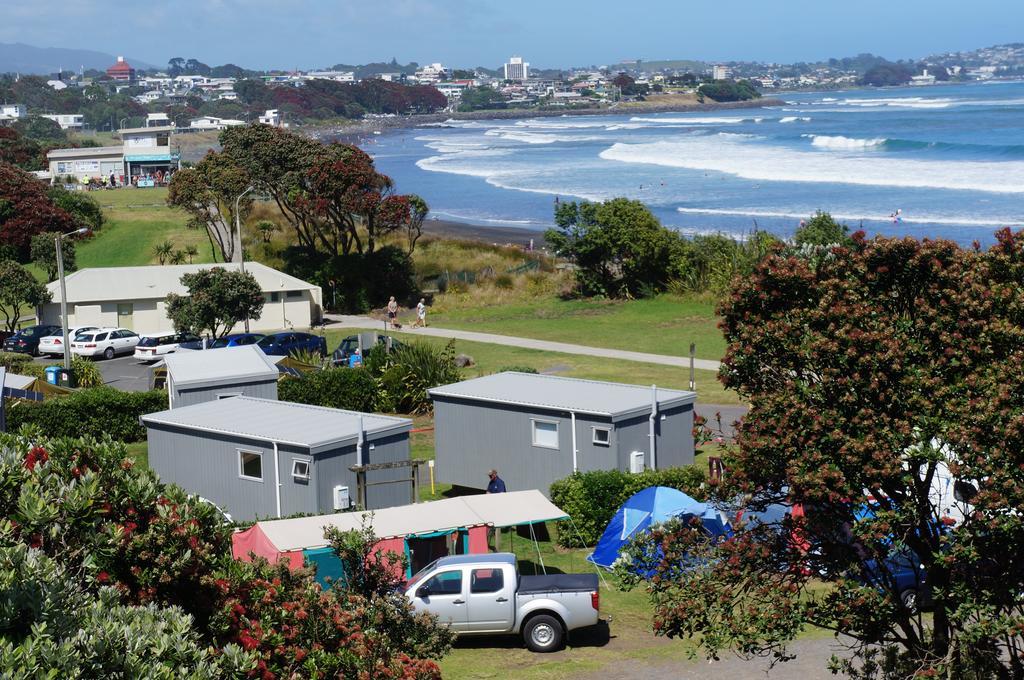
(264, 458)
(536, 429)
(422, 532)
(194, 377)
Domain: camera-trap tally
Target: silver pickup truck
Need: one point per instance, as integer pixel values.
(485, 595)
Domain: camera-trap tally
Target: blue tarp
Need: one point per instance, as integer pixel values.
(653, 505)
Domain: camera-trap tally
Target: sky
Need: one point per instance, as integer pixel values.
(547, 33)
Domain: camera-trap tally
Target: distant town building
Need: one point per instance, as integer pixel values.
(157, 120)
(11, 112)
(431, 73)
(57, 84)
(338, 76)
(213, 123)
(719, 72)
(924, 79)
(122, 71)
(66, 121)
(273, 117)
(517, 69)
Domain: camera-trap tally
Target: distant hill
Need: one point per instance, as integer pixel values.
(21, 58)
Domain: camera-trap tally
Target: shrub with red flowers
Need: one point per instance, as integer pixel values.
(885, 380)
(116, 532)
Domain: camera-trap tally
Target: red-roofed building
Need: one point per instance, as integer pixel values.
(121, 71)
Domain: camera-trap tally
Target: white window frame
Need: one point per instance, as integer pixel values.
(241, 467)
(608, 436)
(533, 434)
(309, 469)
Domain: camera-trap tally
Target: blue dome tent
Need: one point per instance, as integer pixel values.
(653, 505)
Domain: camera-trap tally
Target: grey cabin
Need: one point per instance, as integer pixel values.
(206, 375)
(536, 429)
(260, 458)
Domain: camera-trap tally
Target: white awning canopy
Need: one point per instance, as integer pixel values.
(498, 510)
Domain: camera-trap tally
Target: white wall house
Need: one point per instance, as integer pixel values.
(67, 121)
(213, 123)
(12, 111)
(273, 117)
(133, 297)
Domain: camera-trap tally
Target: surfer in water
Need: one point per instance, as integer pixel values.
(897, 217)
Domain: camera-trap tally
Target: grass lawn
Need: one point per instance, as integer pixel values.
(666, 324)
(137, 220)
(490, 358)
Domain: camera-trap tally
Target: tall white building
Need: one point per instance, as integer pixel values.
(719, 72)
(517, 69)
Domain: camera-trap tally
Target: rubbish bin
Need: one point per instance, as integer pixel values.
(57, 375)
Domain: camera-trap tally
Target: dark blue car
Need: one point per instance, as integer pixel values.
(905, 570)
(288, 342)
(233, 340)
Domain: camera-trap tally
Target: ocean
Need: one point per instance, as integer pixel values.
(949, 159)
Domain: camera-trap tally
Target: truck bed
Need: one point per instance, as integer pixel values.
(557, 583)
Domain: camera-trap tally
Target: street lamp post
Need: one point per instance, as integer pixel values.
(57, 240)
(241, 252)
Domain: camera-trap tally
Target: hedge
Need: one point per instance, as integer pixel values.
(592, 498)
(92, 412)
(352, 389)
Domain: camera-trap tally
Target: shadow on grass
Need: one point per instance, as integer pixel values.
(597, 635)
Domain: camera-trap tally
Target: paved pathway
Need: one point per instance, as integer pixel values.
(345, 321)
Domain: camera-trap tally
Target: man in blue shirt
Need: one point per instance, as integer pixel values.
(496, 485)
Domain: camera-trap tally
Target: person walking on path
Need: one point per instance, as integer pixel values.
(421, 314)
(393, 313)
(497, 484)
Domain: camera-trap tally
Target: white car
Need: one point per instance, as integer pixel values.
(105, 342)
(153, 346)
(54, 344)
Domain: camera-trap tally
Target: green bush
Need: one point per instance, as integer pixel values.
(517, 369)
(352, 389)
(93, 412)
(405, 374)
(592, 498)
(15, 362)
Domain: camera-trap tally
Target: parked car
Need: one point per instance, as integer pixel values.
(105, 342)
(906, 571)
(286, 342)
(485, 595)
(233, 340)
(54, 344)
(152, 347)
(27, 339)
(350, 345)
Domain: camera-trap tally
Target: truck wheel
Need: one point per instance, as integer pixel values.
(543, 634)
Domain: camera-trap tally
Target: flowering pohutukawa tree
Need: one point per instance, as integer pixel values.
(886, 419)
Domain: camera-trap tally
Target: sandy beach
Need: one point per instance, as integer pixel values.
(493, 234)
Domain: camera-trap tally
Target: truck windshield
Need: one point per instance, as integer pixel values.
(421, 573)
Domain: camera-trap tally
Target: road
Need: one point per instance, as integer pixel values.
(345, 321)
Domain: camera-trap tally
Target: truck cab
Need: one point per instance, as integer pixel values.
(486, 595)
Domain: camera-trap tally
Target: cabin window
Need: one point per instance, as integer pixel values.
(487, 580)
(545, 434)
(300, 469)
(293, 294)
(250, 465)
(602, 436)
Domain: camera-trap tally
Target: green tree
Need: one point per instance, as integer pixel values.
(78, 204)
(191, 251)
(178, 257)
(40, 129)
(217, 300)
(44, 254)
(885, 385)
(822, 230)
(207, 192)
(620, 249)
(483, 97)
(18, 289)
(729, 90)
(162, 251)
